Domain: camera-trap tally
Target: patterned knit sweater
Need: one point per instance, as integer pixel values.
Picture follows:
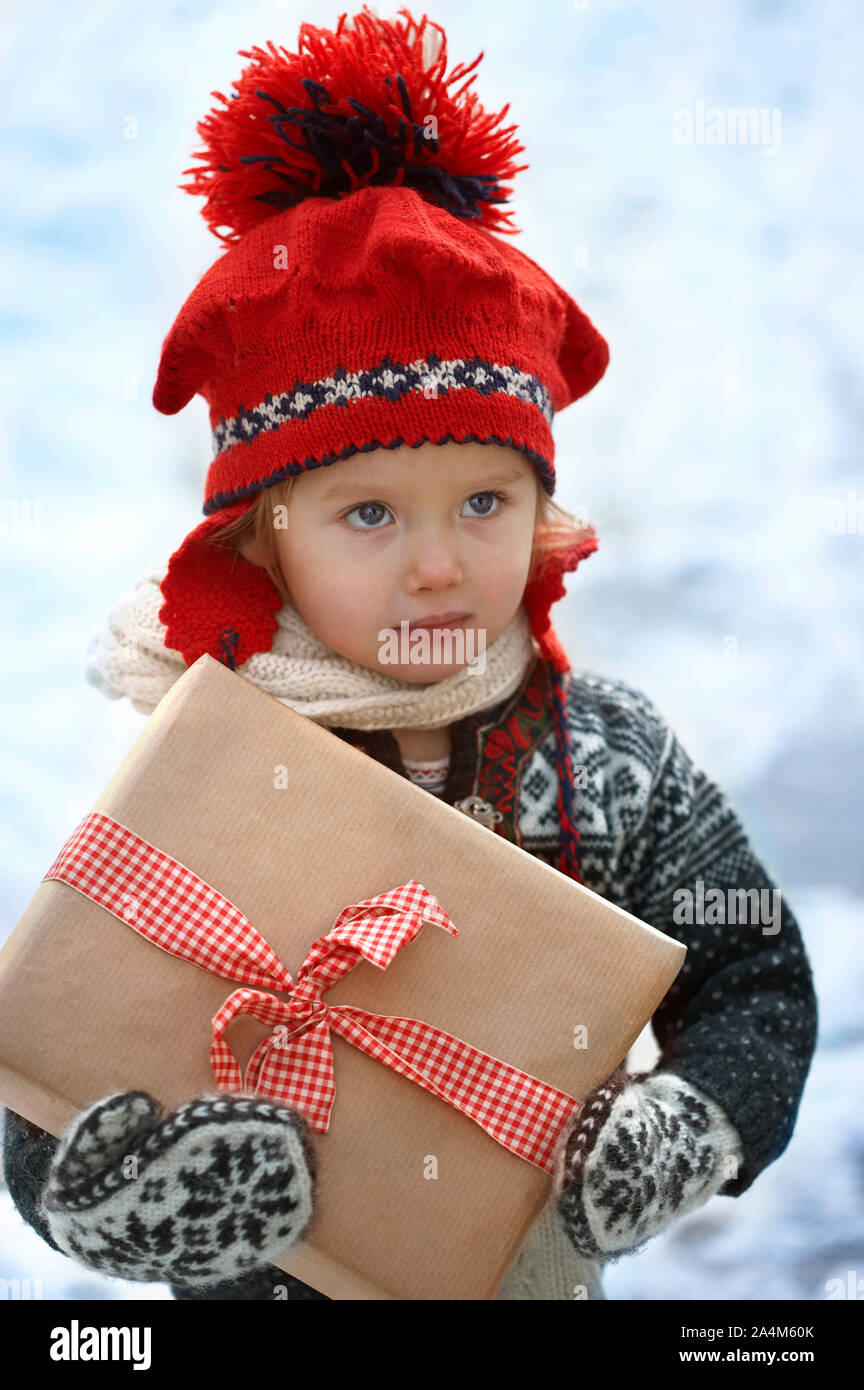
(738, 1024)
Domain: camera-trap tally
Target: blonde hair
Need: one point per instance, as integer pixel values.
(554, 528)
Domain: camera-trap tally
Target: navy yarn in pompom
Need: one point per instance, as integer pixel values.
(361, 149)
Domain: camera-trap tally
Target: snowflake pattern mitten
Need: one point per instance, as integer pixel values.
(221, 1187)
(644, 1149)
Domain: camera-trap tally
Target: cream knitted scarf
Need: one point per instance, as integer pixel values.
(129, 657)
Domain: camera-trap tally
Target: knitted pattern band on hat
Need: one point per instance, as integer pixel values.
(367, 300)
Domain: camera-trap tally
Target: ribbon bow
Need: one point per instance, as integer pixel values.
(166, 902)
(295, 1064)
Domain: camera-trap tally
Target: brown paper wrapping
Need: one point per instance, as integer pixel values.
(291, 824)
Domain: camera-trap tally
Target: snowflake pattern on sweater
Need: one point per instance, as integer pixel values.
(663, 841)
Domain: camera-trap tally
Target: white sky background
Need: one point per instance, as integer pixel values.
(727, 280)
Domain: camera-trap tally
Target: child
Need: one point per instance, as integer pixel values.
(382, 370)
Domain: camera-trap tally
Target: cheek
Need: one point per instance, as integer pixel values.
(325, 581)
(504, 590)
(506, 568)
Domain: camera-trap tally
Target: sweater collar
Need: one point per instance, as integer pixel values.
(486, 747)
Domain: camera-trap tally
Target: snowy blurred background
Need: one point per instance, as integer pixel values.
(719, 459)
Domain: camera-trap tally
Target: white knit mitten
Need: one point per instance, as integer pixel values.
(222, 1186)
(645, 1149)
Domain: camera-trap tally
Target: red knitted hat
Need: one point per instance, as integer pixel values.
(366, 301)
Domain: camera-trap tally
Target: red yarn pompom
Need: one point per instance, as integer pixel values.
(368, 102)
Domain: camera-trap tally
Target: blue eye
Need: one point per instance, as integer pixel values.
(496, 496)
(366, 507)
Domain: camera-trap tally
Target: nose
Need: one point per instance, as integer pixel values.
(433, 559)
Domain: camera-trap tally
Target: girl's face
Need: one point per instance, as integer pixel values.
(403, 535)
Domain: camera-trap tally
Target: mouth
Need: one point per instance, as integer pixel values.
(440, 621)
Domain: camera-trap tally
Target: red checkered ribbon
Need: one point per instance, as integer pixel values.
(168, 903)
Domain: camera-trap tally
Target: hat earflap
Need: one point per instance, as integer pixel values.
(546, 585)
(216, 601)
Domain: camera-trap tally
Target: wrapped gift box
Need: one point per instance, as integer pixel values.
(286, 825)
